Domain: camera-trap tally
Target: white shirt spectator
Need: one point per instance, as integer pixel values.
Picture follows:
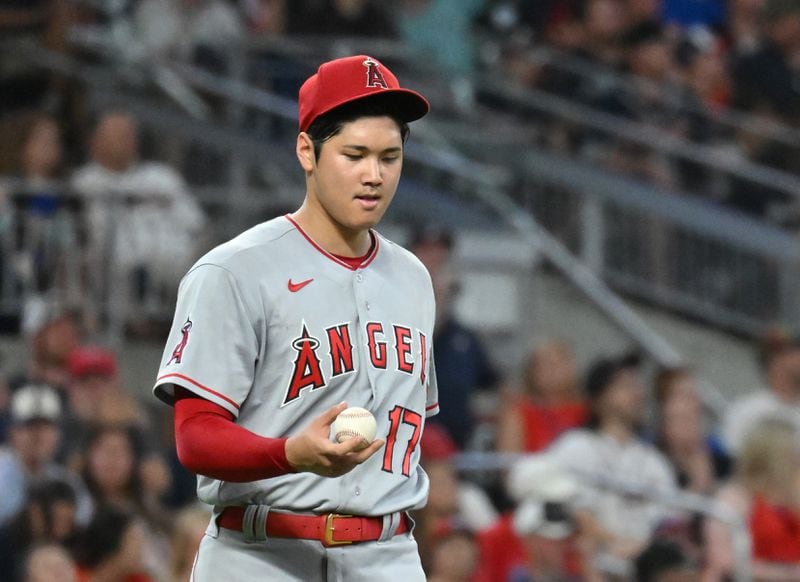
(475, 508)
(745, 412)
(142, 216)
(635, 463)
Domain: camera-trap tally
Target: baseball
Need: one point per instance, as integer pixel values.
(354, 422)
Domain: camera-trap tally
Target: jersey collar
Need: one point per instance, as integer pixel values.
(367, 259)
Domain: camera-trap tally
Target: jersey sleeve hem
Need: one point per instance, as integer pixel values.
(432, 410)
(164, 392)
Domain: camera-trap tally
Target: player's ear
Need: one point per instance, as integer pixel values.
(305, 151)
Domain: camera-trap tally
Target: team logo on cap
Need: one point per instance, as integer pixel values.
(374, 75)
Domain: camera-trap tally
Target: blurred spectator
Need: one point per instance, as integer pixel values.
(648, 52)
(43, 239)
(453, 503)
(95, 396)
(647, 56)
(112, 471)
(642, 11)
(51, 342)
(190, 526)
(603, 24)
(587, 26)
(114, 475)
(664, 561)
(265, 16)
(183, 483)
(764, 70)
(743, 23)
(185, 29)
(703, 61)
(455, 557)
(697, 456)
(610, 449)
(144, 225)
(112, 548)
(48, 517)
(38, 163)
(463, 367)
(473, 507)
(538, 540)
(764, 73)
(33, 441)
(764, 492)
(549, 403)
(434, 246)
(536, 15)
(48, 563)
(348, 18)
(780, 362)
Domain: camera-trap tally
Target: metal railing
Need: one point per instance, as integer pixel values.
(736, 272)
(666, 94)
(41, 237)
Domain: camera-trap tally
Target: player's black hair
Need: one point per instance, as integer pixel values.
(330, 124)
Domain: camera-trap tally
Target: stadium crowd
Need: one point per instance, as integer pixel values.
(92, 487)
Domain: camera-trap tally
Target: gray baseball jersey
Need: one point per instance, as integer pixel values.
(276, 330)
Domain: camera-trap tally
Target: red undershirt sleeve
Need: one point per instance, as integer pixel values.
(209, 443)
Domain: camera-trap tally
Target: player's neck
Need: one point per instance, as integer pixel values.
(334, 238)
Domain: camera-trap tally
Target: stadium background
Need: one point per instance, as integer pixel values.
(609, 174)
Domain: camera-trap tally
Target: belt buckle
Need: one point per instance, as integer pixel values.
(329, 529)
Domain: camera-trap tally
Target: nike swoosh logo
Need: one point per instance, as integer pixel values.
(295, 287)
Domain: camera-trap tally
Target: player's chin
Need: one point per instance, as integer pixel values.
(364, 219)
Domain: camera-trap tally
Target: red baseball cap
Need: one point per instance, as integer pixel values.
(92, 361)
(352, 78)
(437, 444)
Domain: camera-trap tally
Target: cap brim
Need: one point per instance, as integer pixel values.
(408, 105)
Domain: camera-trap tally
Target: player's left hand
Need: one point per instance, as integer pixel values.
(313, 451)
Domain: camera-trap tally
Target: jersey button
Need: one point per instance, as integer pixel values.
(358, 491)
(360, 277)
(367, 305)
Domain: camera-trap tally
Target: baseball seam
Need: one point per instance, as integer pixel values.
(365, 414)
(346, 434)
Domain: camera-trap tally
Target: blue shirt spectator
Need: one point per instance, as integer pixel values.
(462, 367)
(687, 13)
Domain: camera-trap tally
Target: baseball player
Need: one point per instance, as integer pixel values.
(280, 329)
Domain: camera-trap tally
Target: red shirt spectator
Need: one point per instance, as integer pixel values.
(776, 532)
(549, 403)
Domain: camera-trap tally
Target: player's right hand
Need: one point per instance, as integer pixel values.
(313, 451)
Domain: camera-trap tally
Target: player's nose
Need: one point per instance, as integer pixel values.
(372, 172)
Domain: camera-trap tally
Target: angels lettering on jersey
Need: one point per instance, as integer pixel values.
(389, 348)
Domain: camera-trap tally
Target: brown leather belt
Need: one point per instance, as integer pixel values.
(332, 529)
